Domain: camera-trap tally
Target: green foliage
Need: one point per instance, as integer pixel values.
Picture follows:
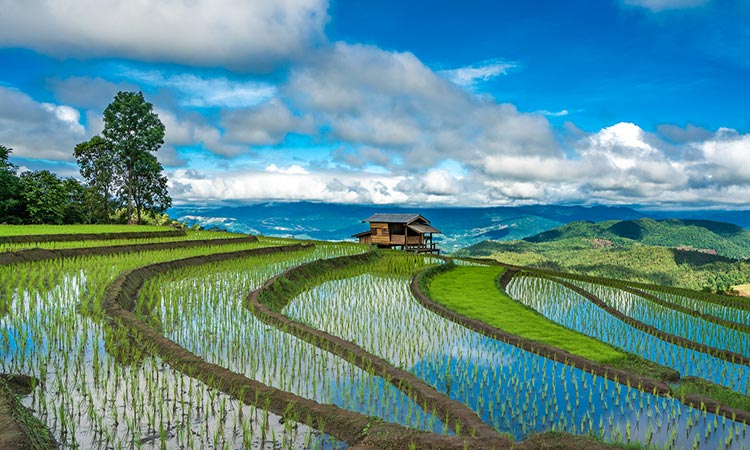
(45, 197)
(627, 261)
(102, 170)
(693, 235)
(11, 199)
(133, 131)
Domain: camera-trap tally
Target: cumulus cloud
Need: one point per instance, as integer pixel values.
(38, 130)
(267, 124)
(341, 187)
(197, 91)
(665, 5)
(474, 74)
(87, 92)
(190, 129)
(375, 99)
(241, 34)
(291, 170)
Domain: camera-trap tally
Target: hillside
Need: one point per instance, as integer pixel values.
(719, 238)
(689, 253)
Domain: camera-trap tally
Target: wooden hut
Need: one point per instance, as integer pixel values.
(410, 232)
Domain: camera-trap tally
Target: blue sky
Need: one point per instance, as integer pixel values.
(402, 102)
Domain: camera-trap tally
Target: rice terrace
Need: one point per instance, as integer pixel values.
(198, 339)
(374, 225)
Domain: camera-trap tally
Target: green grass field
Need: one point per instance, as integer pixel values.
(471, 291)
(22, 230)
(190, 235)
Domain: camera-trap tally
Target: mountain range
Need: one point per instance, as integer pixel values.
(460, 226)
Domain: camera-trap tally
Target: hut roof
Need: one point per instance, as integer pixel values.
(395, 218)
(422, 229)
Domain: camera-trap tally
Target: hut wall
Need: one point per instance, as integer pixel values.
(380, 234)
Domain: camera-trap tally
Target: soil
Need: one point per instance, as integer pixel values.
(11, 434)
(18, 428)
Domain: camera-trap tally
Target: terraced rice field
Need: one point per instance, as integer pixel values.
(273, 344)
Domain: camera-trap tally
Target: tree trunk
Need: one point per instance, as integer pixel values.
(130, 197)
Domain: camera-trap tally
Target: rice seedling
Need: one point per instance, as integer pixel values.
(572, 310)
(674, 322)
(102, 389)
(190, 235)
(201, 308)
(515, 391)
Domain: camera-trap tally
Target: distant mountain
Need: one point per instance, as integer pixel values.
(711, 237)
(460, 226)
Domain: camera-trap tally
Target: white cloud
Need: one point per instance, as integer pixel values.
(191, 130)
(38, 130)
(242, 34)
(374, 99)
(86, 92)
(267, 124)
(291, 170)
(561, 113)
(665, 5)
(198, 91)
(474, 74)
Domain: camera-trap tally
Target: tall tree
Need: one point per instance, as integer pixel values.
(102, 169)
(11, 198)
(133, 130)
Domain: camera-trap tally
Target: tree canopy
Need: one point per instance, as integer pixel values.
(133, 132)
(118, 168)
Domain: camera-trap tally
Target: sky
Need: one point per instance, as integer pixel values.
(433, 102)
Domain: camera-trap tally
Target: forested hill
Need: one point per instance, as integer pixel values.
(696, 254)
(705, 236)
